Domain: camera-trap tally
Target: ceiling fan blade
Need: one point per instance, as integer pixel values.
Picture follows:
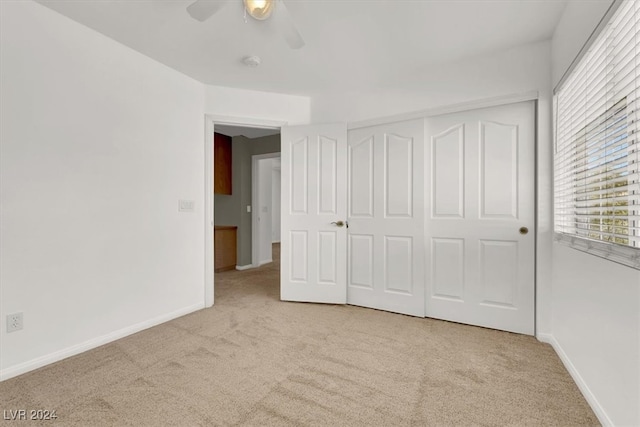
(285, 25)
(202, 10)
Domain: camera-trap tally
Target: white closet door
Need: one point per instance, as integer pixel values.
(386, 217)
(480, 217)
(314, 245)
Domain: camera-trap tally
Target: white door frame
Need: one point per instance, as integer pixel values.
(210, 120)
(255, 224)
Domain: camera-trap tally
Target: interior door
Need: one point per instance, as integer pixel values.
(480, 217)
(386, 217)
(314, 233)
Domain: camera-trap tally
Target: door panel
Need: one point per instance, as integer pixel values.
(398, 264)
(481, 269)
(299, 257)
(361, 260)
(499, 170)
(328, 188)
(327, 244)
(386, 222)
(447, 166)
(398, 158)
(361, 178)
(448, 268)
(498, 272)
(299, 164)
(313, 247)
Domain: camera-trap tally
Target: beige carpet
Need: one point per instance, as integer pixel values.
(253, 360)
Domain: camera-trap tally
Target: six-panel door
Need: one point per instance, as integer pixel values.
(480, 217)
(313, 246)
(386, 232)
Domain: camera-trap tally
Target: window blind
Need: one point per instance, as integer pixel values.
(597, 155)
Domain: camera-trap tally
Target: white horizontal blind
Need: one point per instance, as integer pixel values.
(597, 161)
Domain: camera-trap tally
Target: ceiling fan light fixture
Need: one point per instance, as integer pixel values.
(259, 9)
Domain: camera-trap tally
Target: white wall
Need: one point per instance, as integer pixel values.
(98, 144)
(578, 21)
(596, 326)
(514, 71)
(250, 104)
(596, 303)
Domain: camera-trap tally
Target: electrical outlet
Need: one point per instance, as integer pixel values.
(14, 322)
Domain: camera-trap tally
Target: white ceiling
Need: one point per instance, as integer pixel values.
(350, 44)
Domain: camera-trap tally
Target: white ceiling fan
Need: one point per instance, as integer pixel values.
(202, 10)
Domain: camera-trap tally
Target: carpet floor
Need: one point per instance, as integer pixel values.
(252, 360)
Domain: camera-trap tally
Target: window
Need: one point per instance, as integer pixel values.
(597, 153)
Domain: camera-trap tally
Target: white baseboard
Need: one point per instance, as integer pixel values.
(582, 385)
(248, 266)
(56, 356)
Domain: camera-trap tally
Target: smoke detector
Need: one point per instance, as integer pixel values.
(251, 61)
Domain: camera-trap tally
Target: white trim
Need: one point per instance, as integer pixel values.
(577, 378)
(244, 267)
(454, 108)
(624, 255)
(56, 356)
(209, 250)
(209, 222)
(245, 122)
(255, 224)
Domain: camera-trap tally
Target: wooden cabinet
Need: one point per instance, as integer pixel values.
(221, 164)
(225, 241)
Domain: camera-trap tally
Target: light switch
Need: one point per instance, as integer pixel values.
(186, 205)
(248, 208)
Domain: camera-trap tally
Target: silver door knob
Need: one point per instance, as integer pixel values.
(338, 223)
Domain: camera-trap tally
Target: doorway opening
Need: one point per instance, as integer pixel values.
(243, 217)
(265, 192)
